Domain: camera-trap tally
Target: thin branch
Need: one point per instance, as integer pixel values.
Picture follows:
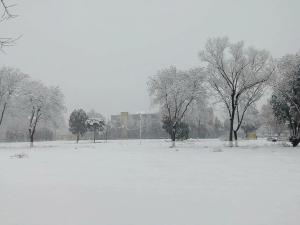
(6, 11)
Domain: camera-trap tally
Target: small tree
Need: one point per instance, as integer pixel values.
(95, 125)
(77, 123)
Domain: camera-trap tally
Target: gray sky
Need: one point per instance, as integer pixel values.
(101, 53)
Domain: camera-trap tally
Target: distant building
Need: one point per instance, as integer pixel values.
(128, 126)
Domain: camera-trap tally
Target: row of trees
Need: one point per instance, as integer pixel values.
(80, 122)
(233, 75)
(26, 103)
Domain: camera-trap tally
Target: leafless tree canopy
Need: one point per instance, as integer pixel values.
(237, 74)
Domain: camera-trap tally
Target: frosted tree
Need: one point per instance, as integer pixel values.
(95, 125)
(286, 96)
(77, 123)
(174, 91)
(238, 76)
(10, 83)
(41, 103)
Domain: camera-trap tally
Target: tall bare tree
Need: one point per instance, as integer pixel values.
(238, 76)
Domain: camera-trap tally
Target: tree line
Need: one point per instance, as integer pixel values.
(236, 77)
(80, 122)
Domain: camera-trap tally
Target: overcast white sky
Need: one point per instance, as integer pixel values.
(101, 53)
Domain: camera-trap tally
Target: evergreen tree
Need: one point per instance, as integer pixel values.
(286, 97)
(77, 123)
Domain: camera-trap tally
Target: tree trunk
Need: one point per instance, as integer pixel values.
(31, 140)
(232, 114)
(30, 135)
(231, 133)
(77, 139)
(2, 113)
(173, 137)
(199, 129)
(235, 138)
(94, 135)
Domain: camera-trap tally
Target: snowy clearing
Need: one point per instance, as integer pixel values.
(125, 183)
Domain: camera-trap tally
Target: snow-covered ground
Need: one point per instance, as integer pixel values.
(125, 183)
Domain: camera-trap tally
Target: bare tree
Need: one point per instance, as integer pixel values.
(10, 81)
(174, 91)
(41, 103)
(238, 75)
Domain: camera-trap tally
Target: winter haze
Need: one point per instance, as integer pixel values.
(101, 53)
(152, 112)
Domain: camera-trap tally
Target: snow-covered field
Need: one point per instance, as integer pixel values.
(125, 183)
